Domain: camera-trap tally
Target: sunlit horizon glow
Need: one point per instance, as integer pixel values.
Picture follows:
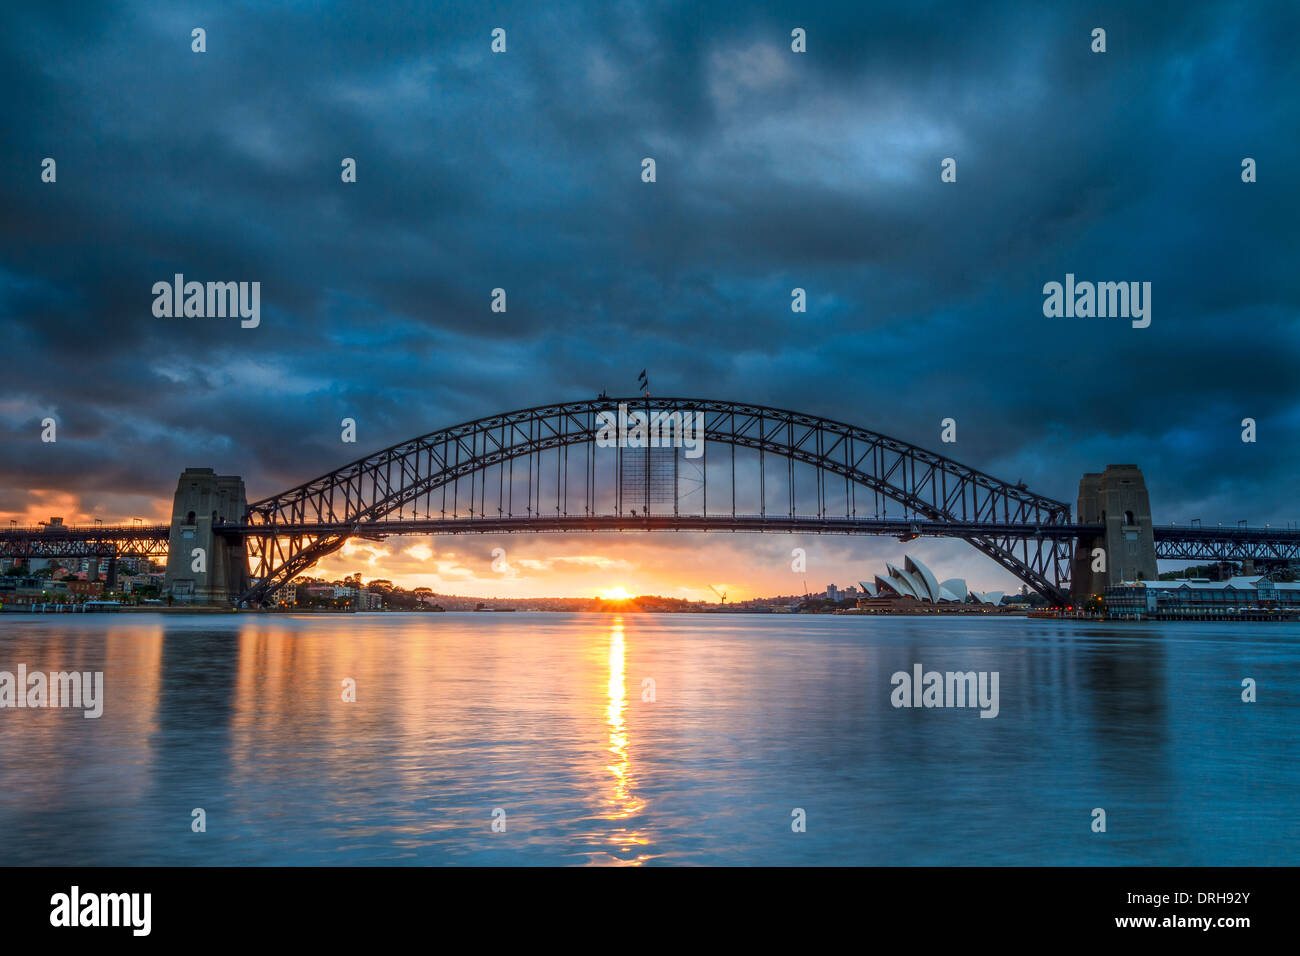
(686, 566)
(680, 566)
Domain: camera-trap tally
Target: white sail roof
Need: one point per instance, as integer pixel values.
(921, 571)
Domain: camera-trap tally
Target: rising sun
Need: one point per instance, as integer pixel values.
(614, 594)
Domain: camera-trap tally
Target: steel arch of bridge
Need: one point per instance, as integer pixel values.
(290, 531)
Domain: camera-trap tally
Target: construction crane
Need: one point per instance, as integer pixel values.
(721, 594)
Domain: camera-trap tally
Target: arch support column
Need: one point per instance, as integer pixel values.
(1116, 499)
(203, 565)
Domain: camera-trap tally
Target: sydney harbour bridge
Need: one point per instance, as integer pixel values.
(551, 469)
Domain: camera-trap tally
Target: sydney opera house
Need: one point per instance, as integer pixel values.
(915, 581)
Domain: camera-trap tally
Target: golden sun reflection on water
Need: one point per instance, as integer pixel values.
(623, 804)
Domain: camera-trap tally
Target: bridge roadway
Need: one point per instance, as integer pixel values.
(1173, 542)
(810, 524)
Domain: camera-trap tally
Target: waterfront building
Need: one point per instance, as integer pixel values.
(286, 594)
(1246, 597)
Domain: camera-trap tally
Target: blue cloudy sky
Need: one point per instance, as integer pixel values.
(774, 170)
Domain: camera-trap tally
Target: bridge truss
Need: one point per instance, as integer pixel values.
(1266, 546)
(98, 541)
(761, 469)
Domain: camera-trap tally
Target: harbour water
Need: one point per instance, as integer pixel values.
(538, 738)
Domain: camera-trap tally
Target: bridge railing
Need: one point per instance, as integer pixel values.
(86, 529)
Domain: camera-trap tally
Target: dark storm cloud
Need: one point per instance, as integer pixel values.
(774, 171)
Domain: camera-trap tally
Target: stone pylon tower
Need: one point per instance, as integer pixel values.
(1117, 499)
(204, 502)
